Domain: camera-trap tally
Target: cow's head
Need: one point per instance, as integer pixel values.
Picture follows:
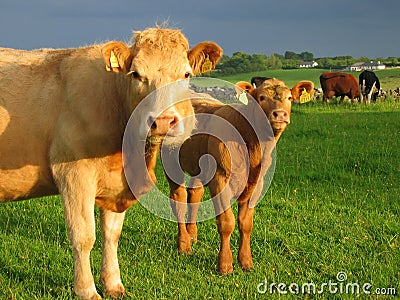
(159, 65)
(275, 99)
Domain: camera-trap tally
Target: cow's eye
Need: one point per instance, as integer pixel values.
(135, 74)
(263, 98)
(187, 74)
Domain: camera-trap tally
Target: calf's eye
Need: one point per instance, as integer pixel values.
(187, 75)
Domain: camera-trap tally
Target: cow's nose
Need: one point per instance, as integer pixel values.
(162, 124)
(280, 115)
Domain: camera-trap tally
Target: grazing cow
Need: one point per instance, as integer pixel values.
(233, 177)
(62, 120)
(335, 84)
(369, 86)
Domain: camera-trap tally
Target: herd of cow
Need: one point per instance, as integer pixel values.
(63, 115)
(338, 84)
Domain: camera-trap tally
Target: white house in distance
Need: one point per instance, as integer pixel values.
(308, 64)
(359, 66)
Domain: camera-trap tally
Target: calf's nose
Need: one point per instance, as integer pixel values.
(162, 124)
(280, 115)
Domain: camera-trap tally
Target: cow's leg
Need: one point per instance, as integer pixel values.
(225, 222)
(245, 223)
(178, 196)
(194, 198)
(111, 228)
(78, 194)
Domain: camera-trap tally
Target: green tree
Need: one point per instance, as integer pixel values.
(307, 56)
(258, 62)
(291, 55)
(274, 62)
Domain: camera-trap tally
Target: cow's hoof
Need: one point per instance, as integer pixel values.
(246, 265)
(184, 247)
(184, 242)
(245, 261)
(192, 230)
(225, 269)
(115, 292)
(87, 294)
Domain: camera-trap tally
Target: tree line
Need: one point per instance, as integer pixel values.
(241, 62)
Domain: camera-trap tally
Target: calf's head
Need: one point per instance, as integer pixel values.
(274, 97)
(156, 69)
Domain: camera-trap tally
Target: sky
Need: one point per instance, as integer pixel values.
(359, 28)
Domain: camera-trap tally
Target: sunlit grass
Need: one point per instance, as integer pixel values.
(333, 206)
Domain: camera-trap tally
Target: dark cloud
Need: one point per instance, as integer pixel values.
(357, 28)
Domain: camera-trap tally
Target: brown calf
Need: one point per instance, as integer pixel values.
(229, 180)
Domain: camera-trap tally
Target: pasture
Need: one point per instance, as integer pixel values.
(389, 78)
(333, 206)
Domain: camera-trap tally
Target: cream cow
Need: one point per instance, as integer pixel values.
(62, 120)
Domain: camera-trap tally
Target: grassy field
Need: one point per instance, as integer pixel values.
(333, 206)
(389, 78)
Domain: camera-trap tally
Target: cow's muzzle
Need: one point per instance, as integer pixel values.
(164, 124)
(279, 116)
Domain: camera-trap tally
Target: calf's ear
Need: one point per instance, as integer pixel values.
(204, 57)
(243, 89)
(242, 86)
(302, 91)
(117, 56)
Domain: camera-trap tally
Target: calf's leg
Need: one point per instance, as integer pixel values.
(111, 228)
(245, 223)
(225, 222)
(194, 198)
(226, 225)
(178, 196)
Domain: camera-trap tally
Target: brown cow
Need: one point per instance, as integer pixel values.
(232, 179)
(335, 84)
(62, 119)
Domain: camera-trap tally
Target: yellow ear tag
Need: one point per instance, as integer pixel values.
(207, 65)
(305, 97)
(113, 60)
(242, 97)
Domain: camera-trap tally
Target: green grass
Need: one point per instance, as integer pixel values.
(333, 206)
(389, 78)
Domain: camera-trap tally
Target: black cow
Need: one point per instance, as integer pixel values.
(369, 86)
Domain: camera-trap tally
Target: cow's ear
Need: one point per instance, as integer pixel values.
(117, 56)
(303, 89)
(243, 89)
(204, 57)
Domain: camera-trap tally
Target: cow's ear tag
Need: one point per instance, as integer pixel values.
(207, 65)
(242, 97)
(305, 97)
(113, 60)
